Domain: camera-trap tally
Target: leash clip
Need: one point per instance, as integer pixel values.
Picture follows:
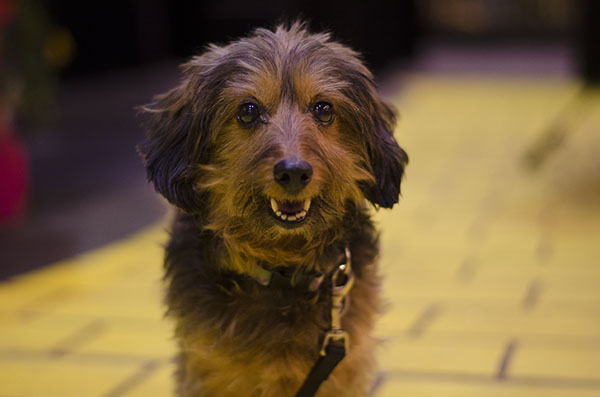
(335, 336)
(336, 343)
(341, 284)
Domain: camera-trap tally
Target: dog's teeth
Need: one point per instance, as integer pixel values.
(306, 205)
(274, 206)
(290, 217)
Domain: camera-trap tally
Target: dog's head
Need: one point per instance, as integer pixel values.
(279, 132)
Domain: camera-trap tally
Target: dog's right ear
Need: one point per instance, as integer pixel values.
(176, 140)
(387, 158)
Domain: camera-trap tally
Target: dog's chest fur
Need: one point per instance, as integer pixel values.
(238, 337)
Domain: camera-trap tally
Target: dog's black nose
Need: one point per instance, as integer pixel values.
(292, 174)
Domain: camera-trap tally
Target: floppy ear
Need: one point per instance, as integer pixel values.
(387, 159)
(176, 141)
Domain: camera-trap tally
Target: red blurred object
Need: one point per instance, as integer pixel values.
(6, 12)
(14, 176)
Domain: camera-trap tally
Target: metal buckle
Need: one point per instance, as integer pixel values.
(341, 284)
(335, 336)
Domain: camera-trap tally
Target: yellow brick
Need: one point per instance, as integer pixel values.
(425, 387)
(159, 384)
(400, 315)
(553, 363)
(59, 378)
(132, 339)
(134, 301)
(25, 338)
(405, 354)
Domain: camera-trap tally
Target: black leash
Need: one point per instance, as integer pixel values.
(322, 369)
(337, 342)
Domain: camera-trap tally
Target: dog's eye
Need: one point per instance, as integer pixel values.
(247, 113)
(323, 112)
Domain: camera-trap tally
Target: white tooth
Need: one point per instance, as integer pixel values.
(284, 217)
(301, 214)
(306, 205)
(274, 205)
(291, 218)
(279, 213)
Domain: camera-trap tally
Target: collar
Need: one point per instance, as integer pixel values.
(310, 282)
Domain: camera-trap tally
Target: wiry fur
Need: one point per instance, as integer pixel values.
(236, 336)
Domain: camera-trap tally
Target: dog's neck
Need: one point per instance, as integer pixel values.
(248, 253)
(292, 252)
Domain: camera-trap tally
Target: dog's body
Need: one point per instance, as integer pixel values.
(268, 149)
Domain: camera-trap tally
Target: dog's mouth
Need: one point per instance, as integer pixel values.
(290, 212)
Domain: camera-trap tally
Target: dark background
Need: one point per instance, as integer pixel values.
(132, 33)
(139, 32)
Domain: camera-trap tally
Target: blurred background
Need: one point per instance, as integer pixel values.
(71, 74)
(490, 259)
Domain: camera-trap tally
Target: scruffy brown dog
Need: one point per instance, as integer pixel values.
(268, 148)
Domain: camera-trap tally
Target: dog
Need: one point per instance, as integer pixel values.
(271, 149)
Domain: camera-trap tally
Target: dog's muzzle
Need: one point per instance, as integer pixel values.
(292, 174)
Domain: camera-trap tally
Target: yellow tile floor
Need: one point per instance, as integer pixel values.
(491, 263)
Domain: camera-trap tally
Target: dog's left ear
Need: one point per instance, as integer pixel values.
(176, 141)
(387, 159)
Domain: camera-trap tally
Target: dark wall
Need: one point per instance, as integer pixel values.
(110, 34)
(381, 30)
(589, 39)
